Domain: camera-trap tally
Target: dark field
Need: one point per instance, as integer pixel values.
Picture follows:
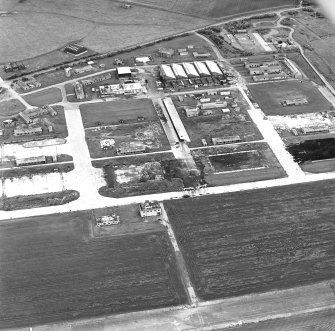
(256, 241)
(107, 113)
(52, 269)
(45, 97)
(313, 150)
(10, 107)
(270, 95)
(236, 161)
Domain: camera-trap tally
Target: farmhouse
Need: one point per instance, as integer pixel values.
(75, 49)
(30, 161)
(166, 52)
(150, 208)
(226, 140)
(123, 72)
(294, 102)
(28, 131)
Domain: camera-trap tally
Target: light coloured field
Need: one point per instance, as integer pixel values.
(215, 8)
(45, 97)
(40, 26)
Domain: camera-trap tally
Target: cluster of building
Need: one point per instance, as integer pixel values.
(193, 74)
(169, 52)
(283, 44)
(126, 88)
(107, 220)
(265, 70)
(28, 83)
(14, 66)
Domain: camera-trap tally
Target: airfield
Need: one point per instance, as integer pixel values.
(233, 153)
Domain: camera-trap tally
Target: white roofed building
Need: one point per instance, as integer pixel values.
(214, 68)
(179, 71)
(202, 69)
(166, 72)
(190, 70)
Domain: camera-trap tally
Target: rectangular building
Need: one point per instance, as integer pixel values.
(28, 131)
(214, 68)
(123, 72)
(166, 72)
(30, 161)
(96, 79)
(150, 208)
(294, 102)
(202, 69)
(190, 70)
(315, 129)
(226, 140)
(179, 71)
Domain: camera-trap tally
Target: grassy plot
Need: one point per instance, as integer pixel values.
(270, 96)
(107, 113)
(45, 97)
(11, 107)
(256, 241)
(65, 273)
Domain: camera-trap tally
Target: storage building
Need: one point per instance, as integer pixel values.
(28, 131)
(123, 72)
(214, 68)
(166, 52)
(31, 161)
(202, 69)
(179, 71)
(190, 70)
(315, 129)
(166, 72)
(226, 140)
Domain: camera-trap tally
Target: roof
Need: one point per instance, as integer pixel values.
(190, 69)
(123, 71)
(202, 69)
(31, 160)
(213, 67)
(178, 70)
(167, 71)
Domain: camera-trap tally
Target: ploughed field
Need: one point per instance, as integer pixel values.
(255, 241)
(53, 269)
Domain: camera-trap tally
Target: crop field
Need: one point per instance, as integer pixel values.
(66, 273)
(45, 97)
(10, 107)
(101, 26)
(235, 164)
(256, 241)
(107, 113)
(269, 97)
(215, 8)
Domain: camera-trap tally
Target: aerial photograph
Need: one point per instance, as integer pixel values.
(167, 165)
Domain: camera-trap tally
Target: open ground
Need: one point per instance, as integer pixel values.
(269, 97)
(10, 108)
(66, 273)
(257, 241)
(45, 97)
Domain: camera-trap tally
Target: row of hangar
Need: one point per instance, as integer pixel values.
(190, 70)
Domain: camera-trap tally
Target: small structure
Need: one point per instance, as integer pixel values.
(166, 52)
(294, 102)
(150, 208)
(75, 49)
(79, 91)
(25, 118)
(204, 142)
(107, 144)
(191, 112)
(209, 105)
(13, 66)
(197, 55)
(107, 220)
(123, 72)
(226, 140)
(28, 131)
(81, 70)
(68, 71)
(166, 72)
(9, 123)
(132, 149)
(30, 161)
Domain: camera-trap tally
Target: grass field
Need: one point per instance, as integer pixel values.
(44, 26)
(45, 97)
(215, 8)
(10, 107)
(255, 241)
(270, 95)
(108, 113)
(53, 269)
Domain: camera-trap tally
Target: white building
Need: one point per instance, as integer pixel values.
(214, 68)
(179, 71)
(150, 208)
(166, 72)
(190, 70)
(202, 69)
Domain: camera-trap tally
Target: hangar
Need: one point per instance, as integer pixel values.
(202, 69)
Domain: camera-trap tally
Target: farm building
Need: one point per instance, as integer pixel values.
(28, 131)
(214, 68)
(226, 140)
(166, 72)
(202, 69)
(79, 91)
(190, 70)
(293, 68)
(96, 79)
(30, 161)
(176, 121)
(150, 208)
(123, 72)
(25, 118)
(267, 77)
(197, 55)
(133, 149)
(294, 102)
(179, 71)
(75, 49)
(191, 112)
(107, 220)
(166, 52)
(315, 129)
